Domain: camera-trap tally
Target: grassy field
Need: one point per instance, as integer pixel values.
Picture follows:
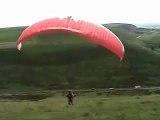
(88, 106)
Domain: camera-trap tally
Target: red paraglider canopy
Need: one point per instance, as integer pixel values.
(97, 34)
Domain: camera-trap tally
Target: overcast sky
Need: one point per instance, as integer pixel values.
(26, 12)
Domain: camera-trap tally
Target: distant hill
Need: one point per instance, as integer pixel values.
(121, 25)
(150, 26)
(134, 26)
(68, 61)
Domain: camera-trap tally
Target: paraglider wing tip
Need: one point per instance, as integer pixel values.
(19, 46)
(123, 52)
(121, 59)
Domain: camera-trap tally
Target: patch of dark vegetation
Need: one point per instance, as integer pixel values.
(146, 102)
(133, 92)
(26, 96)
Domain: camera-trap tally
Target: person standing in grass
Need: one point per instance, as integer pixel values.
(70, 95)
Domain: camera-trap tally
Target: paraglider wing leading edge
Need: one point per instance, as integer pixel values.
(94, 33)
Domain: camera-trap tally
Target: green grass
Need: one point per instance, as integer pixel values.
(10, 34)
(87, 107)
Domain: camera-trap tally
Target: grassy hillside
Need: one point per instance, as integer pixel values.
(54, 61)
